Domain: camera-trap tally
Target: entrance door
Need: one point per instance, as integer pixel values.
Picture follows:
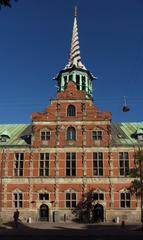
(44, 212)
(98, 213)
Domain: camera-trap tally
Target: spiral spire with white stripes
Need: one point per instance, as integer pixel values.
(74, 57)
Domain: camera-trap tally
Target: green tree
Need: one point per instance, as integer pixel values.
(89, 209)
(6, 3)
(137, 183)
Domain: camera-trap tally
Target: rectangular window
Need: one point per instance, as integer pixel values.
(78, 82)
(70, 200)
(97, 135)
(98, 164)
(18, 200)
(43, 196)
(83, 83)
(44, 164)
(70, 77)
(45, 135)
(125, 200)
(98, 196)
(124, 163)
(70, 164)
(19, 160)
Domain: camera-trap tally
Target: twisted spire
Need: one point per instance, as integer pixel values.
(74, 57)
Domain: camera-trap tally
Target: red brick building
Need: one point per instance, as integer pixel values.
(69, 149)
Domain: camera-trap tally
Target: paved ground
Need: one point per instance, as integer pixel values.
(44, 230)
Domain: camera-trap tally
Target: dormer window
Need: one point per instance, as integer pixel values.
(71, 111)
(4, 136)
(97, 135)
(139, 134)
(45, 135)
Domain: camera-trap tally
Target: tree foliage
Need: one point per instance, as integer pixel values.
(137, 174)
(6, 3)
(88, 209)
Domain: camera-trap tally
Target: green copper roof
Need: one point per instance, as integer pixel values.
(16, 132)
(124, 133)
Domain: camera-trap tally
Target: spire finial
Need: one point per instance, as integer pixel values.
(74, 57)
(75, 11)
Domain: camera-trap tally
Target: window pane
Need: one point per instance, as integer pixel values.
(100, 163)
(73, 204)
(73, 172)
(71, 133)
(95, 196)
(101, 196)
(15, 196)
(68, 196)
(122, 172)
(73, 196)
(122, 204)
(128, 196)
(20, 204)
(46, 172)
(40, 196)
(71, 111)
(73, 164)
(41, 172)
(128, 204)
(123, 196)
(67, 172)
(121, 163)
(46, 196)
(101, 172)
(68, 204)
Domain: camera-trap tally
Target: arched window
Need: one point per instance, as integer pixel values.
(71, 133)
(71, 111)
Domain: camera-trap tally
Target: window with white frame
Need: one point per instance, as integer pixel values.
(125, 199)
(45, 135)
(98, 196)
(19, 162)
(44, 164)
(124, 163)
(70, 199)
(97, 163)
(96, 135)
(70, 164)
(17, 199)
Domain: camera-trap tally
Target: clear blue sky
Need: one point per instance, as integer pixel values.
(34, 46)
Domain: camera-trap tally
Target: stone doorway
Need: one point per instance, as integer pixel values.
(44, 213)
(98, 213)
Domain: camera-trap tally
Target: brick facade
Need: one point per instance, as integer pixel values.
(70, 149)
